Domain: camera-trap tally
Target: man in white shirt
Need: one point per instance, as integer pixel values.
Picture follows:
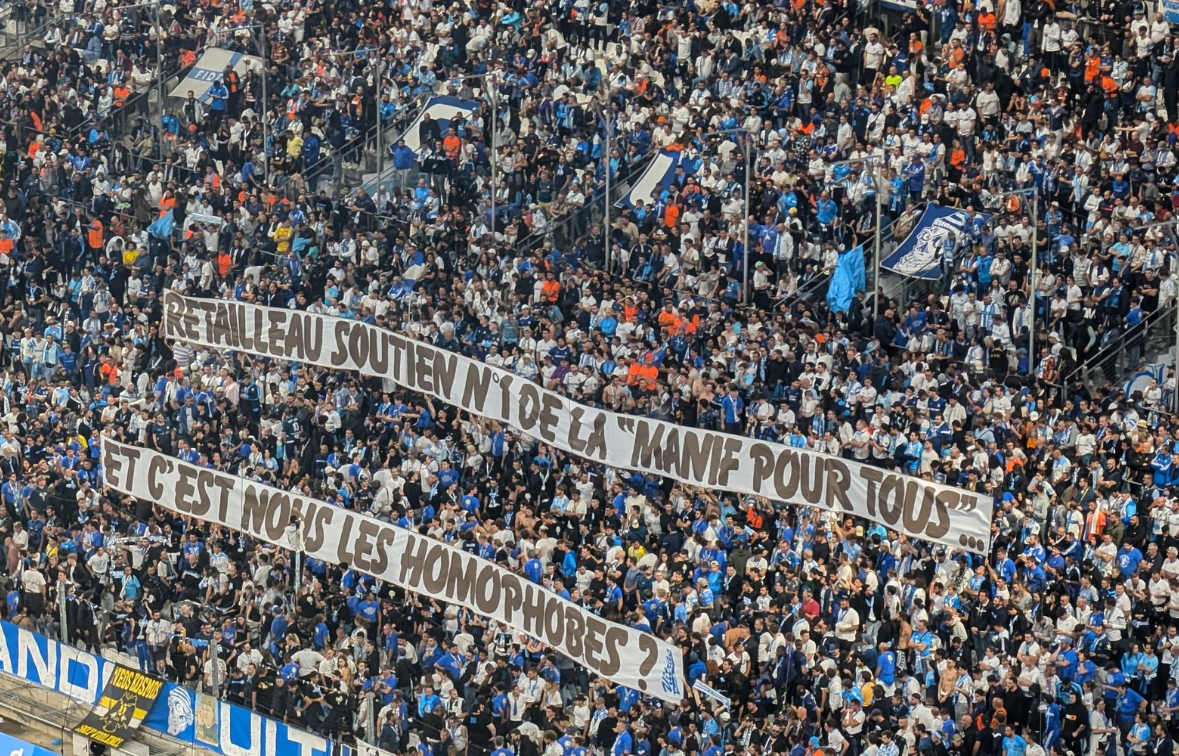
(853, 719)
(157, 632)
(1115, 621)
(847, 623)
(873, 57)
(248, 656)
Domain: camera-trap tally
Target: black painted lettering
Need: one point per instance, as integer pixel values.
(278, 515)
(413, 561)
(730, 462)
(157, 469)
(460, 578)
(529, 406)
(365, 542)
(445, 368)
(184, 492)
(697, 450)
(312, 337)
(595, 632)
(379, 353)
(344, 547)
(534, 609)
(839, 480)
(554, 623)
(358, 347)
(221, 329)
(550, 415)
(574, 632)
(340, 353)
(253, 511)
(939, 522)
(648, 442)
(612, 644)
(872, 477)
(386, 537)
(891, 498)
(513, 599)
(671, 453)
(812, 476)
(487, 589)
(476, 387)
(437, 565)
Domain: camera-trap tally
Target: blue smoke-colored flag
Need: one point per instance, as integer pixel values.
(162, 228)
(849, 277)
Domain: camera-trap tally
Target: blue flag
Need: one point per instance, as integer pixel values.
(162, 227)
(849, 277)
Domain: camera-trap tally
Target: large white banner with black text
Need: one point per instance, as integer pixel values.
(917, 508)
(403, 558)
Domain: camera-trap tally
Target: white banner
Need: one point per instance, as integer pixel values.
(403, 558)
(917, 508)
(211, 67)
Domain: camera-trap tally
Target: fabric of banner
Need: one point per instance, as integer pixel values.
(660, 171)
(403, 558)
(848, 278)
(211, 67)
(125, 702)
(920, 254)
(83, 676)
(162, 227)
(443, 110)
(917, 508)
(14, 746)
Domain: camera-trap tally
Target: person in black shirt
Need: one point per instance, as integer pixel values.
(339, 716)
(432, 723)
(996, 356)
(310, 707)
(479, 728)
(236, 687)
(259, 688)
(608, 731)
(281, 698)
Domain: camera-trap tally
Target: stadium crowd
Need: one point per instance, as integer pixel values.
(827, 636)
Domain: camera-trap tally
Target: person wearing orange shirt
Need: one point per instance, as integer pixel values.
(550, 290)
(451, 144)
(95, 236)
(957, 160)
(107, 370)
(224, 264)
(644, 373)
(668, 319)
(671, 215)
(629, 310)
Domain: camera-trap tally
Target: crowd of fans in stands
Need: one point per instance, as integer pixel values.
(828, 637)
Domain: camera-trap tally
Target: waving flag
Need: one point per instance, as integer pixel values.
(163, 226)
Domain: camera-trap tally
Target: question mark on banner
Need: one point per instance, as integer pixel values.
(648, 646)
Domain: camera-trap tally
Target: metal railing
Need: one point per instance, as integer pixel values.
(809, 291)
(53, 714)
(570, 231)
(18, 28)
(1127, 353)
